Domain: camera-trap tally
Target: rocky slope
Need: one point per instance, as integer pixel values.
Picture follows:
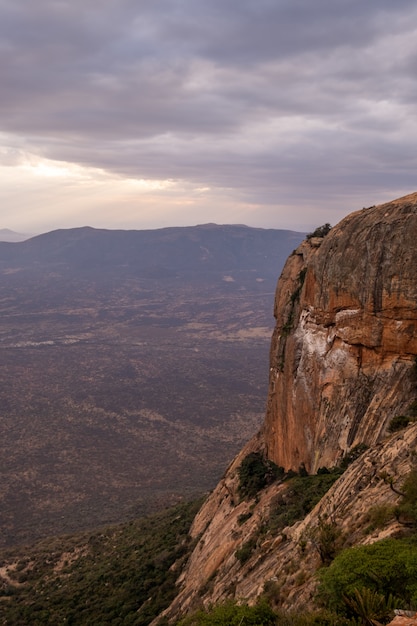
(342, 365)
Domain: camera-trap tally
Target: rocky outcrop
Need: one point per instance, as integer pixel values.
(345, 338)
(342, 365)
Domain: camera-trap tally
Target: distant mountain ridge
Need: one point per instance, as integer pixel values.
(10, 235)
(156, 253)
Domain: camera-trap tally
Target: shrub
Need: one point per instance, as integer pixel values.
(378, 516)
(326, 540)
(385, 567)
(401, 421)
(323, 470)
(120, 575)
(243, 517)
(398, 422)
(320, 231)
(255, 473)
(232, 614)
(352, 455)
(244, 553)
(370, 606)
(316, 618)
(300, 498)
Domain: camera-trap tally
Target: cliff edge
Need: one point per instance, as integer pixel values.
(342, 366)
(345, 337)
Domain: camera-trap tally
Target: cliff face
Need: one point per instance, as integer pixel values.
(342, 365)
(345, 337)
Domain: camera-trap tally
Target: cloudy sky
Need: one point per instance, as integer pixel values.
(150, 113)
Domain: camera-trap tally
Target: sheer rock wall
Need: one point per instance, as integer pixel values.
(343, 348)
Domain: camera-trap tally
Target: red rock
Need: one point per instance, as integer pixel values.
(345, 337)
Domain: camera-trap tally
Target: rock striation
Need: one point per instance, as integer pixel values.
(342, 365)
(214, 574)
(345, 337)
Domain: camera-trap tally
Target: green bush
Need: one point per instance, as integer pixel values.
(398, 423)
(320, 231)
(326, 540)
(402, 421)
(232, 614)
(316, 618)
(243, 517)
(371, 607)
(378, 516)
(255, 473)
(352, 455)
(385, 567)
(302, 494)
(244, 553)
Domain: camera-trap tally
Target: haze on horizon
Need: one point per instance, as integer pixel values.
(275, 113)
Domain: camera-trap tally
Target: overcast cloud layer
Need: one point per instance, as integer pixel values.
(149, 113)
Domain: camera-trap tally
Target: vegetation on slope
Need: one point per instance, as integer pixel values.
(303, 492)
(121, 575)
(255, 473)
(359, 585)
(233, 614)
(386, 568)
(320, 231)
(125, 574)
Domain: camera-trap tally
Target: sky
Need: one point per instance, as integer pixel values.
(152, 113)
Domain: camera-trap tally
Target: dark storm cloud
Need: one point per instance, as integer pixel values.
(267, 98)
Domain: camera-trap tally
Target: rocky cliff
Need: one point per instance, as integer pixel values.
(342, 366)
(345, 337)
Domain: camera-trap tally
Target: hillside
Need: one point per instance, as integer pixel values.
(343, 381)
(134, 366)
(115, 574)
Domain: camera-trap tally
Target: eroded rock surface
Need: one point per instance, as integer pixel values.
(342, 365)
(345, 338)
